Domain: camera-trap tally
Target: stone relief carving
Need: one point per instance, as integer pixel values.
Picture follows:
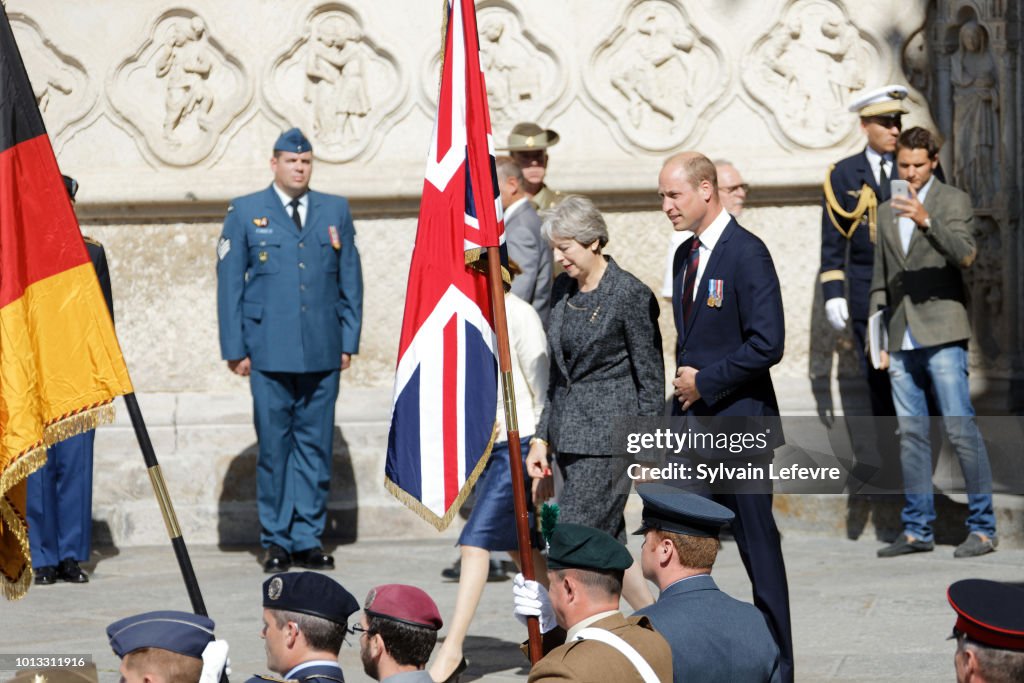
(524, 77)
(62, 88)
(975, 115)
(805, 70)
(336, 83)
(655, 75)
(203, 89)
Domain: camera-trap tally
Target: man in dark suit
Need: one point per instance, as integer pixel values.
(853, 190)
(289, 302)
(59, 507)
(525, 244)
(728, 311)
(714, 638)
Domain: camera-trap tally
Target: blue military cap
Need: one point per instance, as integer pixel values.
(670, 509)
(309, 593)
(292, 140)
(574, 546)
(181, 632)
(71, 185)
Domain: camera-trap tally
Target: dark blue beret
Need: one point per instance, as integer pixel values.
(309, 593)
(667, 508)
(292, 141)
(990, 613)
(181, 632)
(574, 546)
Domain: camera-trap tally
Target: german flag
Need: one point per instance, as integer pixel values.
(60, 363)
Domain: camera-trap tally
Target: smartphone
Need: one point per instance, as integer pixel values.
(899, 188)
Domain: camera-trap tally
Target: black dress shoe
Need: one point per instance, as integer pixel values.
(495, 572)
(314, 558)
(68, 570)
(46, 576)
(276, 559)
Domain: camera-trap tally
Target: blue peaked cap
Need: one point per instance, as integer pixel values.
(293, 141)
(181, 632)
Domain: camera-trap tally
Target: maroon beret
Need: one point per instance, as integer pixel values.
(406, 604)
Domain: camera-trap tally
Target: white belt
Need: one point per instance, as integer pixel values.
(609, 638)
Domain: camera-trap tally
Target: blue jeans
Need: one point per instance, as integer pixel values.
(944, 370)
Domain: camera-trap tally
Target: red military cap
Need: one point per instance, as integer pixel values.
(406, 604)
(989, 612)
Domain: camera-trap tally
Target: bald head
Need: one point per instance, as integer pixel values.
(688, 186)
(732, 189)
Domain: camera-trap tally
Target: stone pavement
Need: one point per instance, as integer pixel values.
(856, 617)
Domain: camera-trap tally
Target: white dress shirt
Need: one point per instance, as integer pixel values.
(286, 200)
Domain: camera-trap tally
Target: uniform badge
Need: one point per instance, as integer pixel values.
(716, 290)
(261, 222)
(335, 239)
(263, 257)
(223, 247)
(275, 588)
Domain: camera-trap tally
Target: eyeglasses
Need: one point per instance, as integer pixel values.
(360, 629)
(733, 189)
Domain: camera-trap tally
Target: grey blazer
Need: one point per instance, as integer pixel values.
(620, 372)
(531, 251)
(924, 288)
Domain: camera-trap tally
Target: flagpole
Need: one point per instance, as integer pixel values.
(515, 452)
(163, 498)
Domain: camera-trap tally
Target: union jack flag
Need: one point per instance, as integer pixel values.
(445, 399)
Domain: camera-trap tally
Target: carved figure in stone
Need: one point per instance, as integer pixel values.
(975, 116)
(336, 84)
(185, 62)
(655, 69)
(511, 76)
(844, 72)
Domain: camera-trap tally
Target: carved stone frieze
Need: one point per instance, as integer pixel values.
(202, 87)
(525, 78)
(805, 70)
(61, 86)
(336, 83)
(655, 76)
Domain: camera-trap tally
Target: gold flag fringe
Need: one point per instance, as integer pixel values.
(64, 427)
(441, 523)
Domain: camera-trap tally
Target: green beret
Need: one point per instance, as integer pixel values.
(574, 546)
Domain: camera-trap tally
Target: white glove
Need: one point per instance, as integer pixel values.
(215, 660)
(837, 312)
(531, 600)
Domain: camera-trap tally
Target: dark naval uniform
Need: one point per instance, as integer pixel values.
(59, 510)
(849, 228)
(291, 301)
(310, 672)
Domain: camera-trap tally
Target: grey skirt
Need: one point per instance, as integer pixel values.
(594, 493)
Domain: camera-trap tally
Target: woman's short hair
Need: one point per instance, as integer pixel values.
(576, 218)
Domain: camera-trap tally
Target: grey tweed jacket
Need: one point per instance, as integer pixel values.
(620, 372)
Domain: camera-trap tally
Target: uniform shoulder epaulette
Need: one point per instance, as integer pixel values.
(92, 241)
(321, 677)
(270, 679)
(867, 203)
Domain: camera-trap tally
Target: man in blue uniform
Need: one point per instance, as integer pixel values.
(854, 189)
(714, 638)
(59, 509)
(305, 620)
(167, 646)
(289, 302)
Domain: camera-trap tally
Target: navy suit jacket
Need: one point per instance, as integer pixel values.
(291, 301)
(732, 345)
(714, 637)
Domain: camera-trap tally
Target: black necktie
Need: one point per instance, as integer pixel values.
(296, 218)
(883, 181)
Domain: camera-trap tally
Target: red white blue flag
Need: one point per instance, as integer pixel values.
(445, 400)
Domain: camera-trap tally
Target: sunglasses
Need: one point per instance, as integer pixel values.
(887, 121)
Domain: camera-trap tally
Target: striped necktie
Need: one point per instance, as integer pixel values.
(690, 279)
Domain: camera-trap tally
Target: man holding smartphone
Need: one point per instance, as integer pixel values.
(925, 241)
(853, 190)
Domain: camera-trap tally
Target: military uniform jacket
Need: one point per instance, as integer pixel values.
(848, 180)
(714, 637)
(98, 256)
(588, 661)
(924, 287)
(291, 301)
(619, 373)
(325, 673)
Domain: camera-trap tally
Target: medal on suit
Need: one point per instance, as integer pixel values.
(263, 257)
(715, 288)
(335, 239)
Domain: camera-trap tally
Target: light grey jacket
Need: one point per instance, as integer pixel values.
(924, 288)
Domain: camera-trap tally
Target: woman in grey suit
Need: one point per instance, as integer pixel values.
(606, 363)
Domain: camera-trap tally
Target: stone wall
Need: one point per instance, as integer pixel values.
(165, 110)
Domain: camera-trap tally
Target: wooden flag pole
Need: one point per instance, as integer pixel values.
(515, 452)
